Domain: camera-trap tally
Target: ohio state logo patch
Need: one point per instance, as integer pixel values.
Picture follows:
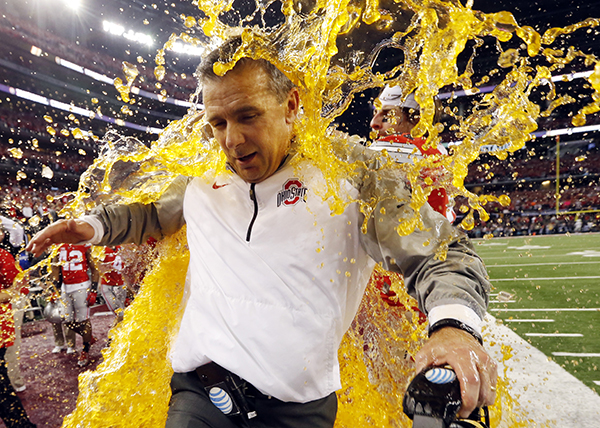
(291, 193)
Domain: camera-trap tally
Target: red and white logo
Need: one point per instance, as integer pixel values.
(292, 192)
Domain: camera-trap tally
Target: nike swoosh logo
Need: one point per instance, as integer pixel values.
(218, 186)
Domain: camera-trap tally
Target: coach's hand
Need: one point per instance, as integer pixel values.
(475, 369)
(59, 232)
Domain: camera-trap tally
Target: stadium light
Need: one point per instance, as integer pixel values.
(112, 28)
(36, 51)
(40, 99)
(110, 81)
(186, 48)
(486, 89)
(569, 77)
(73, 4)
(119, 30)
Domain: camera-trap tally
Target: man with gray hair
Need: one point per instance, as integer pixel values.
(275, 280)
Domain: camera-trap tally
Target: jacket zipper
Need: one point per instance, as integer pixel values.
(253, 198)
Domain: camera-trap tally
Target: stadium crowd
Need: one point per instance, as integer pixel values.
(176, 85)
(532, 167)
(530, 183)
(22, 202)
(66, 162)
(516, 224)
(531, 211)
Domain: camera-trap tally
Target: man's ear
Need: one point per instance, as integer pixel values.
(292, 105)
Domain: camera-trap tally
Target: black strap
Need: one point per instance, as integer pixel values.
(451, 322)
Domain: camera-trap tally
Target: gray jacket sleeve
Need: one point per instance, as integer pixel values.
(135, 223)
(438, 262)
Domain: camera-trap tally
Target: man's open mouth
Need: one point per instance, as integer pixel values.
(246, 159)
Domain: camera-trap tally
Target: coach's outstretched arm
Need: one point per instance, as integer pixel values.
(118, 223)
(63, 231)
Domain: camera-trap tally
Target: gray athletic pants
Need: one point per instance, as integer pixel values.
(190, 407)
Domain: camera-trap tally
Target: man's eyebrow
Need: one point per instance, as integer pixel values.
(238, 111)
(212, 117)
(246, 109)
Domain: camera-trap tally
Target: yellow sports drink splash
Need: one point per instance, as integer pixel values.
(328, 49)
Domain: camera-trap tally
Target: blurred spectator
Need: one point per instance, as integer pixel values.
(11, 409)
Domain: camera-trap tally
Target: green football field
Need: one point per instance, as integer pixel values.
(547, 289)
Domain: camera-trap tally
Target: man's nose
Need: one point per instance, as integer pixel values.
(234, 137)
(377, 121)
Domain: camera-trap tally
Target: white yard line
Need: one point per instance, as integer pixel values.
(544, 264)
(545, 309)
(545, 279)
(547, 394)
(597, 382)
(559, 256)
(103, 314)
(533, 237)
(576, 354)
(528, 320)
(554, 334)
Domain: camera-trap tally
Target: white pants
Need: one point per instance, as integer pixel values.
(76, 308)
(114, 296)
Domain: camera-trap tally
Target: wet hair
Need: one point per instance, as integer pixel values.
(279, 83)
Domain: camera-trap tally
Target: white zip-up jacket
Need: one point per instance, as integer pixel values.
(275, 280)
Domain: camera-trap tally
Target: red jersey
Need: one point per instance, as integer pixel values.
(74, 263)
(112, 265)
(402, 148)
(8, 273)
